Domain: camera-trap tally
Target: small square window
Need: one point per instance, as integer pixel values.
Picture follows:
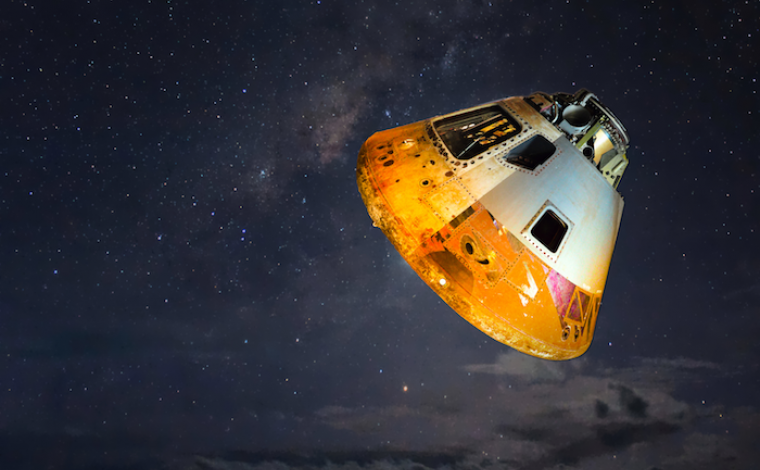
(549, 230)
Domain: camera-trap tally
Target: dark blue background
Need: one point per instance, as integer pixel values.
(187, 267)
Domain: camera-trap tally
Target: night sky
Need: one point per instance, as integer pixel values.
(189, 278)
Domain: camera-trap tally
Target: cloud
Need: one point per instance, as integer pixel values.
(563, 415)
(702, 451)
(336, 460)
(681, 363)
(668, 374)
(534, 425)
(631, 403)
(525, 367)
(365, 420)
(744, 293)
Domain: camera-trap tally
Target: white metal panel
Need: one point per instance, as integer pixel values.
(577, 189)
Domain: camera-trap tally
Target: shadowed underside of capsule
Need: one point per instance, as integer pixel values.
(505, 213)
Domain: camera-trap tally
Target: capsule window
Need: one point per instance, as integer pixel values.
(469, 134)
(532, 153)
(549, 230)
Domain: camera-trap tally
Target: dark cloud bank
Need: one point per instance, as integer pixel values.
(515, 413)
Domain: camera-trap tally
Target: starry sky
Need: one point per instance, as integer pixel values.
(189, 278)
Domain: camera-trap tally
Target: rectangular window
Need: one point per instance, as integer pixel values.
(532, 153)
(549, 230)
(469, 134)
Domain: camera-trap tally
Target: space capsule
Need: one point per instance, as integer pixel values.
(508, 210)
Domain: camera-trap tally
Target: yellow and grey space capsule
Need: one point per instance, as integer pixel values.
(509, 211)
